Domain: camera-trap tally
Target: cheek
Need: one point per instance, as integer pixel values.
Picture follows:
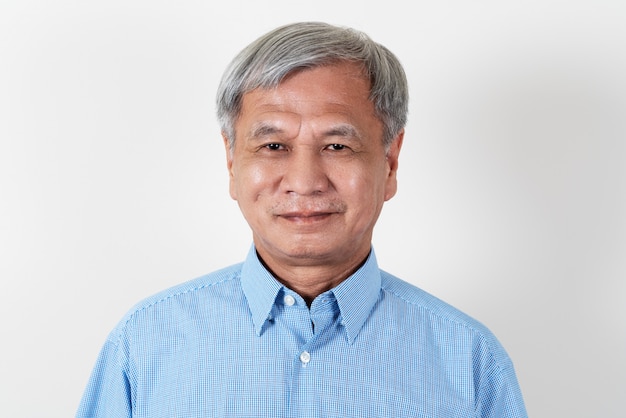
(360, 187)
(251, 181)
(365, 181)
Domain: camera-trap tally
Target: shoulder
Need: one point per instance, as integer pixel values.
(178, 301)
(424, 301)
(211, 282)
(447, 324)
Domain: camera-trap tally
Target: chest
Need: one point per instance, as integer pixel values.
(303, 370)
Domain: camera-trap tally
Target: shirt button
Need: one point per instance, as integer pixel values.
(305, 357)
(289, 300)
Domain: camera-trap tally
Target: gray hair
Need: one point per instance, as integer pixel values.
(265, 62)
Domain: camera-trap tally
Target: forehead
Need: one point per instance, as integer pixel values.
(342, 84)
(328, 98)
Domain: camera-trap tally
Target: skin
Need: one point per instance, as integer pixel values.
(310, 173)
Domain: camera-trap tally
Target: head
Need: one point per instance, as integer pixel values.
(313, 119)
(287, 49)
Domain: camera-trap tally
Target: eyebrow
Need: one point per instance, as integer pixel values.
(343, 130)
(263, 129)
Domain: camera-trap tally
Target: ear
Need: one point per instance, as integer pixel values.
(392, 165)
(229, 166)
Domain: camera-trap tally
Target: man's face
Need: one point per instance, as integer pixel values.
(309, 169)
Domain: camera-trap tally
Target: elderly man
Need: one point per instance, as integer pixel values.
(313, 119)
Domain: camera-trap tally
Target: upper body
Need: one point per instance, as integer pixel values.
(238, 343)
(312, 119)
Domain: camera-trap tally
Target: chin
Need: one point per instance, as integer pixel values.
(307, 253)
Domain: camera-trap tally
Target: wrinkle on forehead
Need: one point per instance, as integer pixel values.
(275, 124)
(318, 102)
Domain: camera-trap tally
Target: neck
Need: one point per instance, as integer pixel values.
(310, 280)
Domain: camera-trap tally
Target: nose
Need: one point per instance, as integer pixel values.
(305, 173)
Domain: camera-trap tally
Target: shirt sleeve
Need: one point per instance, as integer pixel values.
(499, 395)
(108, 390)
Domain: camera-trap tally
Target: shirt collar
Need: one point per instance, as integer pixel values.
(355, 296)
(260, 289)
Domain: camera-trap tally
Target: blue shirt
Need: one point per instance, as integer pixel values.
(237, 343)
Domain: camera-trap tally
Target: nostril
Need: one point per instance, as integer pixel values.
(305, 176)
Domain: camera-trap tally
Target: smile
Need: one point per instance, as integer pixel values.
(305, 217)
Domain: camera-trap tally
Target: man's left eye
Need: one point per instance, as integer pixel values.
(336, 147)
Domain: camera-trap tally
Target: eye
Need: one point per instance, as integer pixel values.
(273, 146)
(336, 147)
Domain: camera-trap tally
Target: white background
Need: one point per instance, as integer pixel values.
(512, 193)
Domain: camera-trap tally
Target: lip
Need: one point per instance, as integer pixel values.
(306, 216)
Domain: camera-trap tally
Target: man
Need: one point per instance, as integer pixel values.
(313, 119)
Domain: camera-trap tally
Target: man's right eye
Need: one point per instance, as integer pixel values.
(273, 147)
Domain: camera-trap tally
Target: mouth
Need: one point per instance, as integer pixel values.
(305, 217)
(308, 215)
